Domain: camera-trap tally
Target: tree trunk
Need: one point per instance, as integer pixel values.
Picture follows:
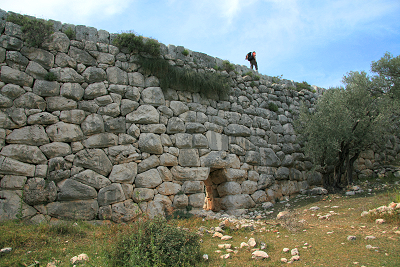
(350, 167)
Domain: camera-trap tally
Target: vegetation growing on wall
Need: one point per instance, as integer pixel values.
(34, 30)
(137, 43)
(210, 84)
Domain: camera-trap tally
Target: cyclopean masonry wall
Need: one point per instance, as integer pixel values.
(104, 141)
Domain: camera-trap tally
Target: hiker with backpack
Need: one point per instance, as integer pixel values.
(252, 58)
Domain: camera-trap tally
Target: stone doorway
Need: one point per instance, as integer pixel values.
(213, 199)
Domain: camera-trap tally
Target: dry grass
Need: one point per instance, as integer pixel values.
(321, 242)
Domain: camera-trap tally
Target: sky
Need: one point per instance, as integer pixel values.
(317, 41)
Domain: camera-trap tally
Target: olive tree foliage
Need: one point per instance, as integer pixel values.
(348, 120)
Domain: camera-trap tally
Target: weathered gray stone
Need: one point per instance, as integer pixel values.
(123, 173)
(93, 75)
(43, 57)
(101, 140)
(282, 173)
(64, 132)
(93, 124)
(144, 114)
(194, 127)
(136, 79)
(167, 159)
(36, 70)
(142, 194)
(220, 159)
(217, 141)
(67, 75)
(13, 182)
(314, 178)
(43, 118)
(237, 130)
(117, 76)
(92, 179)
(127, 106)
(153, 128)
(180, 201)
(165, 173)
(75, 116)
(63, 60)
(29, 135)
(150, 143)
(197, 200)
(12, 91)
(148, 179)
(95, 90)
(11, 206)
(232, 202)
(175, 125)
(183, 140)
(70, 189)
(189, 158)
(269, 158)
(151, 81)
(168, 188)
(58, 42)
(132, 93)
(125, 211)
(155, 209)
(81, 56)
(24, 153)
(39, 191)
(10, 75)
(60, 103)
(106, 58)
(10, 43)
(229, 188)
(110, 194)
(192, 187)
(153, 96)
(249, 187)
(178, 107)
(94, 159)
(259, 196)
(149, 163)
(17, 115)
(74, 210)
(190, 174)
(72, 91)
(265, 181)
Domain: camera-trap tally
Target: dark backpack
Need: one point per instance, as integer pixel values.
(250, 56)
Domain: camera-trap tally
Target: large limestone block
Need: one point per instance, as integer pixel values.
(144, 114)
(149, 163)
(168, 188)
(265, 181)
(110, 194)
(92, 179)
(155, 209)
(74, 210)
(42, 118)
(233, 202)
(94, 159)
(93, 124)
(180, 201)
(190, 173)
(178, 107)
(123, 173)
(34, 135)
(237, 130)
(67, 75)
(12, 91)
(43, 57)
(46, 88)
(142, 194)
(24, 153)
(200, 141)
(55, 103)
(189, 158)
(282, 173)
(81, 56)
(175, 125)
(229, 188)
(15, 167)
(101, 140)
(153, 96)
(197, 200)
(10, 75)
(295, 175)
(195, 127)
(125, 211)
(249, 187)
(127, 106)
(64, 132)
(39, 191)
(220, 159)
(259, 196)
(70, 189)
(11, 43)
(72, 91)
(95, 90)
(314, 178)
(136, 79)
(75, 116)
(150, 143)
(11, 206)
(269, 158)
(58, 42)
(148, 179)
(63, 60)
(117, 76)
(183, 140)
(217, 141)
(167, 159)
(93, 75)
(13, 182)
(192, 187)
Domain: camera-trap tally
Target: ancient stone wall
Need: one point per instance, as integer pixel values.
(104, 141)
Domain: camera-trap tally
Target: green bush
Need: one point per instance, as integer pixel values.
(185, 53)
(70, 33)
(277, 79)
(212, 85)
(136, 43)
(228, 66)
(303, 86)
(273, 107)
(156, 243)
(35, 31)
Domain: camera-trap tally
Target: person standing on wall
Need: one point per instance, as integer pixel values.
(251, 56)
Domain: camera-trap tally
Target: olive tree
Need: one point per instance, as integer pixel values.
(348, 120)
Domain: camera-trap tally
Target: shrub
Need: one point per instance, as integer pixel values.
(228, 66)
(70, 33)
(156, 243)
(273, 107)
(185, 53)
(136, 43)
(303, 86)
(35, 31)
(212, 85)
